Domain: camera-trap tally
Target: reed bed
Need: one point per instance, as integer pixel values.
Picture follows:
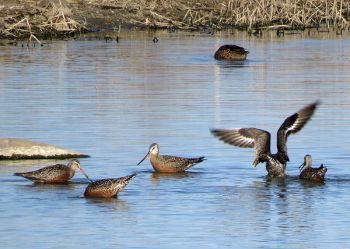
(43, 18)
(293, 14)
(40, 19)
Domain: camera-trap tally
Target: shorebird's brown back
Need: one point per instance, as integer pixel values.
(58, 173)
(106, 188)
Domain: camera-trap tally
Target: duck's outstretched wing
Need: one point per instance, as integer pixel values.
(291, 125)
(247, 138)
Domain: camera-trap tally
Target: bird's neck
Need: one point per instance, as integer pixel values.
(281, 157)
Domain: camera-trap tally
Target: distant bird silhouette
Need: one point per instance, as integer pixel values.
(231, 52)
(257, 32)
(155, 39)
(309, 173)
(260, 140)
(108, 38)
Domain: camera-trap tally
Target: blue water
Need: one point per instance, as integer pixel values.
(112, 100)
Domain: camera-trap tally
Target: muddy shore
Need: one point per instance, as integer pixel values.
(34, 20)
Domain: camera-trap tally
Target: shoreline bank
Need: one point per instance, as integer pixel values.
(34, 20)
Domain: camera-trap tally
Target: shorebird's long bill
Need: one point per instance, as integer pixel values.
(143, 158)
(84, 173)
(301, 166)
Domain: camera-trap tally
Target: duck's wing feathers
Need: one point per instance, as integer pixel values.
(246, 138)
(293, 124)
(314, 174)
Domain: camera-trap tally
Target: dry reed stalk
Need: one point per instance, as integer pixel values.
(300, 13)
(48, 19)
(252, 14)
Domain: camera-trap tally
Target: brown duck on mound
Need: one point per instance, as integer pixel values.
(231, 52)
(309, 173)
(57, 173)
(169, 164)
(107, 188)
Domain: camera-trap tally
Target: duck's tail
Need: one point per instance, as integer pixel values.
(322, 170)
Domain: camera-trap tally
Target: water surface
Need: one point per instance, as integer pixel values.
(112, 100)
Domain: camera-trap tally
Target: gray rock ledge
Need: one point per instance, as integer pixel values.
(17, 149)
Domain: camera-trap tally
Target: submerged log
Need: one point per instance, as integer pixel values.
(17, 149)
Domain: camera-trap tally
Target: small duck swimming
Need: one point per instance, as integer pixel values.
(309, 173)
(260, 140)
(107, 188)
(57, 173)
(169, 164)
(231, 52)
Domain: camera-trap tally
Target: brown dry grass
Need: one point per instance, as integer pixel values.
(237, 13)
(39, 18)
(55, 17)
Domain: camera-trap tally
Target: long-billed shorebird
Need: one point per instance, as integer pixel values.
(231, 52)
(310, 173)
(260, 140)
(107, 188)
(169, 164)
(57, 173)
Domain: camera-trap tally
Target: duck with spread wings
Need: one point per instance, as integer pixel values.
(260, 140)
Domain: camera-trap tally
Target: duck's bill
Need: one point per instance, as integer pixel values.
(143, 158)
(84, 173)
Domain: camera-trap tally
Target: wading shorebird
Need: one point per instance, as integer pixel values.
(309, 173)
(58, 173)
(260, 140)
(169, 164)
(107, 188)
(231, 52)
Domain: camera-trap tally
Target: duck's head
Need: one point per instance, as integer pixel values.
(307, 162)
(74, 164)
(153, 150)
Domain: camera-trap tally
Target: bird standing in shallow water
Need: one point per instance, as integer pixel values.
(309, 173)
(169, 164)
(58, 173)
(231, 52)
(107, 188)
(260, 140)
